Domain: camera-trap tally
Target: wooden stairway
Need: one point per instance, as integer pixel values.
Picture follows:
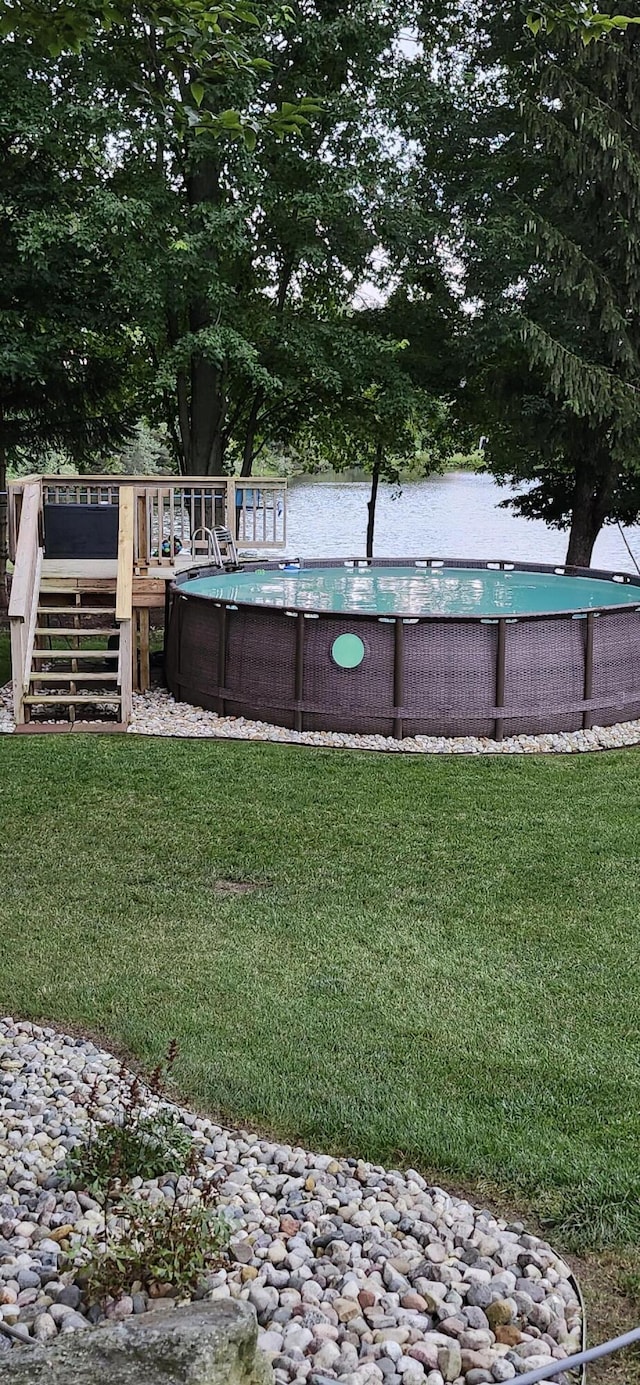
(71, 628)
(75, 659)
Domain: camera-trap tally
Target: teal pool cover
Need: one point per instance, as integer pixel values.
(415, 591)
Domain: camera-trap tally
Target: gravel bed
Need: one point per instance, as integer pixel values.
(156, 713)
(357, 1273)
(6, 708)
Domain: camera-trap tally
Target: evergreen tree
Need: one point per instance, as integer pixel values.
(543, 182)
(553, 252)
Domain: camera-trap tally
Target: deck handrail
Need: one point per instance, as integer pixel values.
(124, 598)
(168, 508)
(25, 589)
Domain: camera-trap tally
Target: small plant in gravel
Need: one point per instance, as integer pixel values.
(152, 1245)
(138, 1144)
(168, 1246)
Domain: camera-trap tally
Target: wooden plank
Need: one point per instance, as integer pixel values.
(73, 611)
(78, 676)
(76, 631)
(32, 620)
(66, 699)
(124, 585)
(144, 650)
(125, 671)
(26, 554)
(17, 666)
(73, 653)
(141, 540)
(86, 569)
(230, 505)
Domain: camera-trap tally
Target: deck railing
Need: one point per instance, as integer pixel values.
(124, 598)
(23, 603)
(173, 516)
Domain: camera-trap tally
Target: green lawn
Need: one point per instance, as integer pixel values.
(440, 964)
(5, 657)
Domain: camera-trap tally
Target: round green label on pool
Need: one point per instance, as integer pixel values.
(347, 651)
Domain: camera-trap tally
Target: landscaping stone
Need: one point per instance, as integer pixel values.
(331, 1255)
(155, 713)
(201, 1344)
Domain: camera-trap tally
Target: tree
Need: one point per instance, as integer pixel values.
(68, 363)
(177, 84)
(547, 196)
(301, 224)
(379, 412)
(246, 243)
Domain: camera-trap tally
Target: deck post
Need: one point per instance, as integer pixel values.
(230, 506)
(144, 655)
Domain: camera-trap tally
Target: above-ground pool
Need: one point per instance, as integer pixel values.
(429, 647)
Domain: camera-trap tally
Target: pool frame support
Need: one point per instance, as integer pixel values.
(501, 654)
(398, 679)
(222, 659)
(299, 673)
(587, 719)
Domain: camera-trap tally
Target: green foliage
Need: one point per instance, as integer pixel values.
(5, 658)
(141, 1143)
(579, 17)
(146, 453)
(544, 193)
(69, 367)
(170, 1242)
(172, 1245)
(465, 461)
(143, 1147)
(234, 191)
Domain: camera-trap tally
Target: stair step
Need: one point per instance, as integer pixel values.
(66, 699)
(76, 654)
(76, 610)
(78, 677)
(75, 631)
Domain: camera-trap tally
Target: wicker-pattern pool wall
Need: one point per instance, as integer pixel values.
(427, 675)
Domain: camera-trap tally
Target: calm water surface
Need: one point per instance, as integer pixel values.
(456, 515)
(415, 591)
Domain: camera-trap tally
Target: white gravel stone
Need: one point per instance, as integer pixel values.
(328, 1248)
(156, 713)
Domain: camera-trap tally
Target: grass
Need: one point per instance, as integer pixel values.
(431, 961)
(5, 657)
(438, 964)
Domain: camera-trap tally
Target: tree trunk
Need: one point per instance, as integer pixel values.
(588, 513)
(371, 504)
(206, 404)
(250, 435)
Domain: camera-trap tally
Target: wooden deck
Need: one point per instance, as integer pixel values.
(166, 526)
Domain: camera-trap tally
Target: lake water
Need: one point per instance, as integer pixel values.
(455, 515)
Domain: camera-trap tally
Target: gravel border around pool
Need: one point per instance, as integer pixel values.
(357, 1273)
(156, 713)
